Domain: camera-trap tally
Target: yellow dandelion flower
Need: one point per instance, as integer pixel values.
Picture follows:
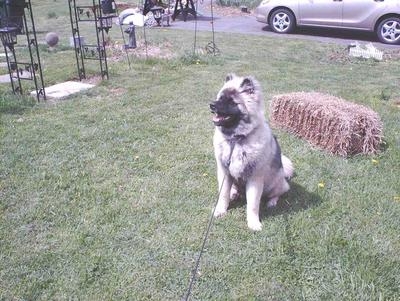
(321, 184)
(374, 161)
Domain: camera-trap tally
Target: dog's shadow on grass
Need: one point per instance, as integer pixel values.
(295, 200)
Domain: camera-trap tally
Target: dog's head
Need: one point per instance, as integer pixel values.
(238, 102)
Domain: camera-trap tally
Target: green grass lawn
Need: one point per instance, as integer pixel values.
(106, 195)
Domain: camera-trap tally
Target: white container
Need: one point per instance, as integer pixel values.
(78, 41)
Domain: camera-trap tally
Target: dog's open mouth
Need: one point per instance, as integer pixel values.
(221, 119)
(224, 115)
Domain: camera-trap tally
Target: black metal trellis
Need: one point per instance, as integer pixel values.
(17, 19)
(211, 47)
(101, 14)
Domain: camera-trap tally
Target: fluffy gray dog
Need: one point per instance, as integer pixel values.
(249, 158)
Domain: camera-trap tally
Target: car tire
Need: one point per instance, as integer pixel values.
(282, 21)
(388, 31)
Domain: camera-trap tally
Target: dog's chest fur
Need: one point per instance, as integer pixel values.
(238, 159)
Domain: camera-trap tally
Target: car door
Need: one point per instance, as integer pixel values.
(320, 12)
(362, 14)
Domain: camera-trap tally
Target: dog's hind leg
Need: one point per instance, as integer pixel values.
(254, 189)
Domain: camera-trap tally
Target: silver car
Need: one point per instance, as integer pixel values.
(379, 16)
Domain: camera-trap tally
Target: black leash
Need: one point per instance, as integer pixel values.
(207, 232)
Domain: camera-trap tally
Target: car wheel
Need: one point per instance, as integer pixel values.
(388, 31)
(282, 21)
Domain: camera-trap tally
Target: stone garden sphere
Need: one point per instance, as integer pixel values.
(52, 39)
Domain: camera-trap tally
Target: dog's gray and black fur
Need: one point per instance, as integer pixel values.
(248, 156)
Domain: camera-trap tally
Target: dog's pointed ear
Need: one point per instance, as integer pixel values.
(248, 85)
(229, 77)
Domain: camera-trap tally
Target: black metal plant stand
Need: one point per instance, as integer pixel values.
(101, 14)
(17, 19)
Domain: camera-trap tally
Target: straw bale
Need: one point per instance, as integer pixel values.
(334, 124)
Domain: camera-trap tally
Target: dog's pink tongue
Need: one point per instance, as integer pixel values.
(217, 118)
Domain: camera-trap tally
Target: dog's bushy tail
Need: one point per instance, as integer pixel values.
(288, 168)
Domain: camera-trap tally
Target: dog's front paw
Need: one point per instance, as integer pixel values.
(254, 225)
(219, 211)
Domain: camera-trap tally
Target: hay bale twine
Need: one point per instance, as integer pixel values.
(336, 125)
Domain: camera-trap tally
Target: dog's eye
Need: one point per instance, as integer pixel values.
(248, 91)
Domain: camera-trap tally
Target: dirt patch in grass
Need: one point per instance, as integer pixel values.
(117, 92)
(117, 52)
(155, 51)
(342, 55)
(392, 54)
(93, 80)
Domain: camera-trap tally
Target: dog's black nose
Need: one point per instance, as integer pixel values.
(212, 106)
